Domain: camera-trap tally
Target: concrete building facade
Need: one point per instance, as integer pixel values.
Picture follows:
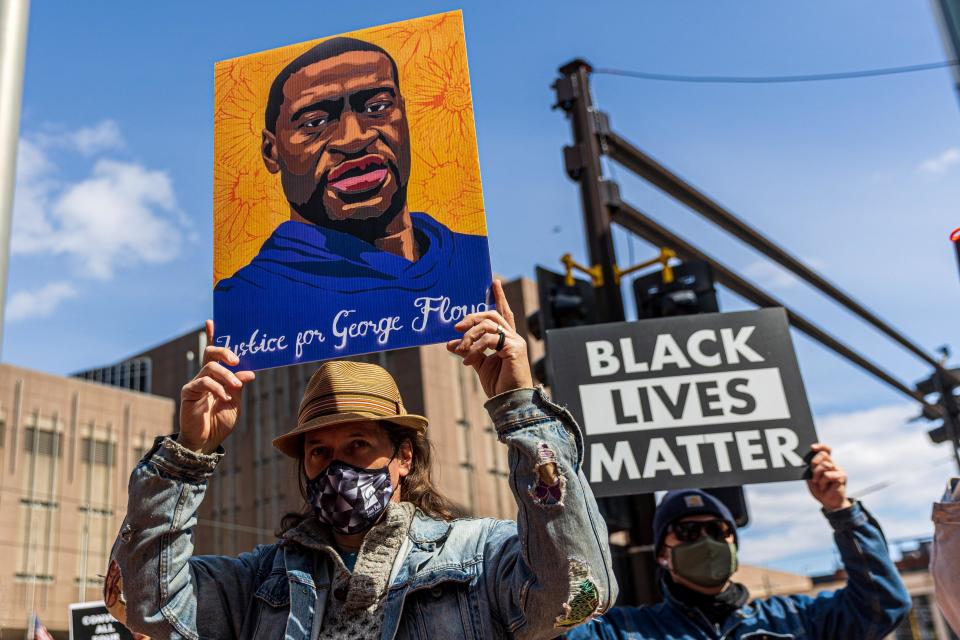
(66, 451)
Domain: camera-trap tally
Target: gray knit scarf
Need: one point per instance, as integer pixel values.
(360, 613)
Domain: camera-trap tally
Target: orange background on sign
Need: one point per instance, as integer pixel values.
(430, 52)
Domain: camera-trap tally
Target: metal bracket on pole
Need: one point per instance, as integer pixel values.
(601, 123)
(595, 272)
(663, 259)
(610, 194)
(573, 161)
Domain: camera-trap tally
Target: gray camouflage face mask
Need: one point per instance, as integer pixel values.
(705, 562)
(350, 499)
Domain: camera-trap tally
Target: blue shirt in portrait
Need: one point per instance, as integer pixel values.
(313, 293)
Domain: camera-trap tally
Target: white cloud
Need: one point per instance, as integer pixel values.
(36, 181)
(25, 305)
(876, 447)
(103, 136)
(113, 216)
(940, 164)
(89, 140)
(121, 213)
(769, 275)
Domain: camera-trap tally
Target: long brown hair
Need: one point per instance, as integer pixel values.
(417, 487)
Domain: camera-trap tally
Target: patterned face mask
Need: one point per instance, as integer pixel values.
(350, 499)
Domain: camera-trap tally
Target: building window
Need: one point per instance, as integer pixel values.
(463, 441)
(47, 442)
(98, 452)
(42, 578)
(39, 504)
(135, 375)
(96, 537)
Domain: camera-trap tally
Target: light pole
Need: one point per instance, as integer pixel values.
(13, 53)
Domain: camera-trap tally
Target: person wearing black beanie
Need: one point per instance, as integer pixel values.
(696, 543)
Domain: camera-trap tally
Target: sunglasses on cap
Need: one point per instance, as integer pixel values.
(692, 530)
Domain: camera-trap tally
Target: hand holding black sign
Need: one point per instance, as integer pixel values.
(697, 401)
(827, 481)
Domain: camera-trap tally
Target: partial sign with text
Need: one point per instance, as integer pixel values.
(708, 400)
(92, 621)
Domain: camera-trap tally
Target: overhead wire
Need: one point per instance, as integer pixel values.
(780, 79)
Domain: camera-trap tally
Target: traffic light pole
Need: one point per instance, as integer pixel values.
(583, 165)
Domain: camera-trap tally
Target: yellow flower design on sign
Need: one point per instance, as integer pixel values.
(415, 40)
(441, 102)
(453, 187)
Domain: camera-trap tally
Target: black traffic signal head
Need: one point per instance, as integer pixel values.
(932, 385)
(562, 305)
(691, 291)
(938, 435)
(943, 383)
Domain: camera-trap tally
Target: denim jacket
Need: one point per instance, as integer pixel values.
(467, 578)
(871, 605)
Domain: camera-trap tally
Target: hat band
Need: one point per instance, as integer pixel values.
(350, 403)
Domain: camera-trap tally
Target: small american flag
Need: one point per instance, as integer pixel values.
(39, 631)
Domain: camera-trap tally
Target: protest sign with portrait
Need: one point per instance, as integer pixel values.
(348, 212)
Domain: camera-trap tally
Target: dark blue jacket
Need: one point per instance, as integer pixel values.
(871, 605)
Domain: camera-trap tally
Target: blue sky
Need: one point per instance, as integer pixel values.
(112, 242)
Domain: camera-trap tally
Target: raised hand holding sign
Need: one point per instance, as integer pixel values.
(506, 367)
(210, 403)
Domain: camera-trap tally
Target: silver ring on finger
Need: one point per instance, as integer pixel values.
(502, 340)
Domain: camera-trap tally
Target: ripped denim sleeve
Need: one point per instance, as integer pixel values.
(555, 572)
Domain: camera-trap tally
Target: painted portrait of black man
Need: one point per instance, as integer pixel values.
(348, 212)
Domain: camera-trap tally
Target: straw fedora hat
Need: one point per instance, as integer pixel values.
(341, 392)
